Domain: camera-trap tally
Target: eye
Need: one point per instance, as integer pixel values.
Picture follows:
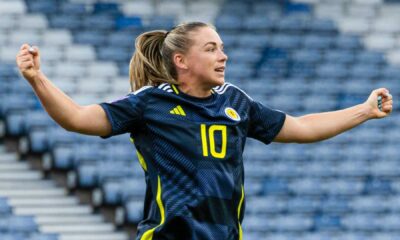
(211, 49)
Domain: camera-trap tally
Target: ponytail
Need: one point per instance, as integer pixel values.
(147, 66)
(152, 63)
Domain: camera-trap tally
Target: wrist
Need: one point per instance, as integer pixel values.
(367, 111)
(36, 79)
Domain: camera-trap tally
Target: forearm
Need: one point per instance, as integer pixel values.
(57, 104)
(321, 126)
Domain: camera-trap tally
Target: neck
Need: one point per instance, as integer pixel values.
(195, 90)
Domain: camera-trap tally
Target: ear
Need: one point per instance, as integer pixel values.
(180, 61)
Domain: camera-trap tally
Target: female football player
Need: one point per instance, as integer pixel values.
(190, 128)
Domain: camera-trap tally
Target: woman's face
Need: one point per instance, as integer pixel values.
(206, 59)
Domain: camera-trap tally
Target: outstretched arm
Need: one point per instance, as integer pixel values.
(91, 119)
(320, 126)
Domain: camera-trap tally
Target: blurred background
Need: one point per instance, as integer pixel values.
(296, 56)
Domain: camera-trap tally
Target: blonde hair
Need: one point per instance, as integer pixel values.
(152, 62)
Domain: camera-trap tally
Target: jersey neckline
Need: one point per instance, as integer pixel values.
(193, 98)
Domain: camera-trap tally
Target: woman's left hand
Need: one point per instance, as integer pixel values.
(386, 106)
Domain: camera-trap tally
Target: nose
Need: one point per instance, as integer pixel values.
(223, 57)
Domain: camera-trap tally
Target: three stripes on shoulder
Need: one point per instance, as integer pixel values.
(178, 110)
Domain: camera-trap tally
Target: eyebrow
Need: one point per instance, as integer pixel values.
(213, 43)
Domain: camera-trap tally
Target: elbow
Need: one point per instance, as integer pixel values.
(307, 135)
(70, 127)
(312, 138)
(307, 132)
(72, 124)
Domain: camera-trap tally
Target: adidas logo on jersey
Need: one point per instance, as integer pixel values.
(178, 110)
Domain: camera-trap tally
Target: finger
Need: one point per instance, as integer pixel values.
(26, 65)
(381, 91)
(388, 103)
(29, 56)
(34, 50)
(25, 46)
(385, 100)
(388, 96)
(26, 60)
(387, 108)
(23, 53)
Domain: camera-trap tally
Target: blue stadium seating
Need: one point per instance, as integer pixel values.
(73, 8)
(95, 38)
(5, 208)
(134, 211)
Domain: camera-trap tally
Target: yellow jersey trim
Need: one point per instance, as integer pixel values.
(148, 235)
(140, 157)
(239, 209)
(141, 160)
(175, 89)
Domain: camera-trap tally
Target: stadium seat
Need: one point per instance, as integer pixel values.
(323, 26)
(70, 8)
(137, 8)
(124, 22)
(34, 21)
(229, 23)
(80, 53)
(44, 237)
(259, 23)
(335, 204)
(325, 222)
(285, 41)
(170, 8)
(303, 205)
(23, 224)
(368, 204)
(59, 37)
(293, 24)
(116, 54)
(331, 71)
(100, 22)
(12, 236)
(339, 56)
(161, 22)
(360, 222)
(45, 6)
(105, 8)
(95, 38)
(310, 56)
(346, 41)
(134, 211)
(65, 22)
(5, 208)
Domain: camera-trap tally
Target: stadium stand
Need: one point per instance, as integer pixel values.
(298, 56)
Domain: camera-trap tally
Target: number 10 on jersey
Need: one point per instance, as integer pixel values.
(208, 140)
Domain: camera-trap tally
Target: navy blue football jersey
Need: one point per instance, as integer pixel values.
(191, 151)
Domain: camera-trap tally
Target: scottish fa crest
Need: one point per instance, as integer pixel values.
(232, 114)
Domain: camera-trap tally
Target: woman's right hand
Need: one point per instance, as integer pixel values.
(28, 61)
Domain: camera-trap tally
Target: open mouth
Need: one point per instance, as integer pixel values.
(220, 69)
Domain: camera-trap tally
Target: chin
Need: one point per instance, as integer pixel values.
(219, 82)
(215, 82)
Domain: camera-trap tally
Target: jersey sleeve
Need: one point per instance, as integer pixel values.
(125, 114)
(265, 123)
